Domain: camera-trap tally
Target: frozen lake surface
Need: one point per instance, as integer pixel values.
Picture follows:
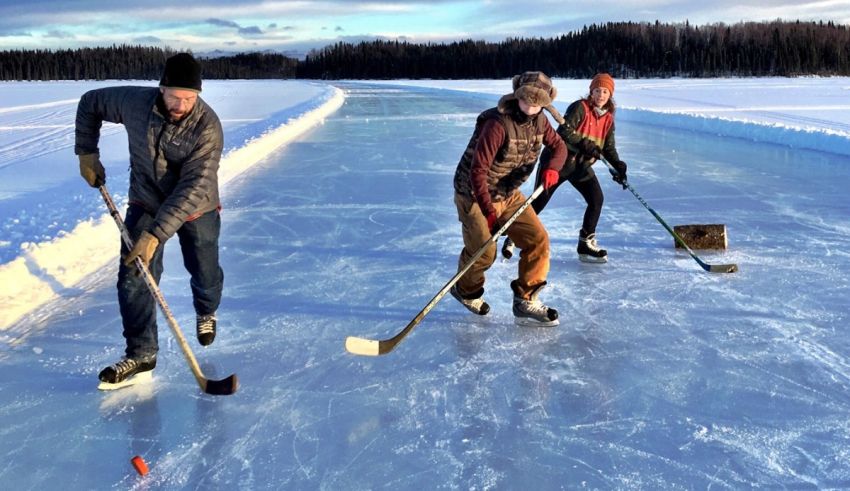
(660, 376)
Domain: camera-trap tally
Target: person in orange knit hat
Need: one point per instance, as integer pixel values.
(588, 131)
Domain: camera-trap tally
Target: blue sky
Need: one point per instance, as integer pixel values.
(296, 26)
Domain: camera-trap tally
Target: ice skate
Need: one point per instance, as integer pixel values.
(475, 305)
(508, 248)
(205, 328)
(588, 250)
(128, 371)
(533, 312)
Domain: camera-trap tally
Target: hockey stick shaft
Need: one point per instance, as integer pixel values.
(371, 347)
(225, 386)
(716, 268)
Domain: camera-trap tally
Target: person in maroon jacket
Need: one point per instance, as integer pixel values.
(588, 131)
(499, 158)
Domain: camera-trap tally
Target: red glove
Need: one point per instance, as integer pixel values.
(550, 178)
(493, 222)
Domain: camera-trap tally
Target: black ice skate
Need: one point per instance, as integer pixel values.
(588, 250)
(476, 305)
(128, 371)
(508, 248)
(205, 326)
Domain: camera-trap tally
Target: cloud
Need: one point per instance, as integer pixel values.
(15, 34)
(147, 40)
(250, 31)
(245, 31)
(58, 34)
(222, 23)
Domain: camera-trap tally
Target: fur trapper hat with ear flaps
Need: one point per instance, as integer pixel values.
(536, 89)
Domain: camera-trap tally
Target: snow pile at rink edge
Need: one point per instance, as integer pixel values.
(751, 123)
(48, 269)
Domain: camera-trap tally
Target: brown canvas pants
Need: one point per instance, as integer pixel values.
(527, 232)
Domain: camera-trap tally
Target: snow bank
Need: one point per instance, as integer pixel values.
(812, 138)
(811, 113)
(46, 270)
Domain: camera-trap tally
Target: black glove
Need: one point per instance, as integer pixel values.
(590, 149)
(620, 176)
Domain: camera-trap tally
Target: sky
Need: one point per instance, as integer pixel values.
(295, 27)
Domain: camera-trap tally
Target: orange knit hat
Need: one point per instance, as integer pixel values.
(602, 80)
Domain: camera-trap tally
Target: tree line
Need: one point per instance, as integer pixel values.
(624, 49)
(134, 63)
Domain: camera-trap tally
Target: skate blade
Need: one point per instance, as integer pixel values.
(139, 378)
(592, 259)
(528, 322)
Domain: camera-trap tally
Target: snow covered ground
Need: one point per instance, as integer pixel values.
(811, 113)
(52, 228)
(661, 376)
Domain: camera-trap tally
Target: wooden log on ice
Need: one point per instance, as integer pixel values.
(711, 236)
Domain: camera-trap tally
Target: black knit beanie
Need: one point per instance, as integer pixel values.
(182, 71)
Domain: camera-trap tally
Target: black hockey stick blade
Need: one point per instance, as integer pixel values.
(224, 387)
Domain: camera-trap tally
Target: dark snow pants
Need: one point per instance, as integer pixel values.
(199, 244)
(586, 183)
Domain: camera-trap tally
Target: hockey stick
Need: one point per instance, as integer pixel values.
(222, 387)
(371, 347)
(712, 268)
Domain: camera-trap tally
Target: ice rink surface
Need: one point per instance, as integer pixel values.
(660, 376)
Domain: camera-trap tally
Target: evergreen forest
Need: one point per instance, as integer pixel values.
(624, 49)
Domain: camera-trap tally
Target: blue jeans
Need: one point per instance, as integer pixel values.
(199, 244)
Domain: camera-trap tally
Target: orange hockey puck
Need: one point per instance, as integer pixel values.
(140, 465)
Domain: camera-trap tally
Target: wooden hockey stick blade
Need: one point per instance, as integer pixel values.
(723, 268)
(370, 347)
(362, 346)
(716, 268)
(711, 268)
(224, 387)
